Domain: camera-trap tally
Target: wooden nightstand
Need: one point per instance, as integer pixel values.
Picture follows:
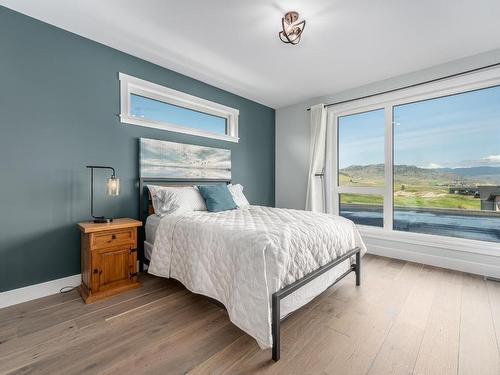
(109, 258)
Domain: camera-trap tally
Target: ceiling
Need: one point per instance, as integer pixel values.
(234, 45)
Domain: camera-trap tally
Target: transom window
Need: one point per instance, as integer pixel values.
(426, 162)
(147, 104)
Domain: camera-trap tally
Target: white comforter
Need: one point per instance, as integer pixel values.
(241, 257)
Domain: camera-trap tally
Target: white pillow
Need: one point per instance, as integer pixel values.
(238, 196)
(164, 201)
(167, 199)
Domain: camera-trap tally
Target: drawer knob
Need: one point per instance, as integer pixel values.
(113, 236)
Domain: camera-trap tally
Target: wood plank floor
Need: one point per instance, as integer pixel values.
(406, 318)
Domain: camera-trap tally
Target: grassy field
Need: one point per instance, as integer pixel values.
(418, 194)
(448, 201)
(433, 197)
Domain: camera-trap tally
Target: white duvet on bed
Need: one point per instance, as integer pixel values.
(241, 257)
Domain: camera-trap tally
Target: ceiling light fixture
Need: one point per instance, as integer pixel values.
(292, 28)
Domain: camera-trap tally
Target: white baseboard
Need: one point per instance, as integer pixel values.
(434, 256)
(28, 293)
(31, 292)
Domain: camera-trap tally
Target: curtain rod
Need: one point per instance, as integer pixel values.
(413, 85)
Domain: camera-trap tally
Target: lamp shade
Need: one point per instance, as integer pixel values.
(113, 186)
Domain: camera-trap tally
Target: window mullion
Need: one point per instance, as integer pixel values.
(361, 190)
(335, 165)
(389, 177)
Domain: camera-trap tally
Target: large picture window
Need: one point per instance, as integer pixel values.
(426, 163)
(447, 165)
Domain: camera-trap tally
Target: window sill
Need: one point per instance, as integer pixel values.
(430, 240)
(174, 128)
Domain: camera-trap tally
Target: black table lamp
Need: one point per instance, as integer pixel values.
(112, 188)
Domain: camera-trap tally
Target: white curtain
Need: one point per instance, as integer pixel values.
(315, 200)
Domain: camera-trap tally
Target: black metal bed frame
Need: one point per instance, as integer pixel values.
(289, 289)
(277, 296)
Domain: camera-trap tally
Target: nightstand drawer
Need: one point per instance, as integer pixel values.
(113, 238)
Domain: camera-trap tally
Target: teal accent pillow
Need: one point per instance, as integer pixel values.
(217, 197)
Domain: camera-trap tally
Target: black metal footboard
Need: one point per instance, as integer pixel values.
(282, 293)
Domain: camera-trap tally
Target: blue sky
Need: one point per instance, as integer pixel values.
(361, 139)
(455, 131)
(158, 111)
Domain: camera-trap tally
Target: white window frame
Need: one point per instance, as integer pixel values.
(461, 84)
(131, 85)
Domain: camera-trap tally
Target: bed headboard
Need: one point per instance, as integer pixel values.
(177, 164)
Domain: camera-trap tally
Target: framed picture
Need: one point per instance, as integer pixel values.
(163, 159)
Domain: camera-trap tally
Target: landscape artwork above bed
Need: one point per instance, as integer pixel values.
(162, 159)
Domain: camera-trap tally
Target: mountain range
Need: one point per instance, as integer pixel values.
(472, 175)
(472, 171)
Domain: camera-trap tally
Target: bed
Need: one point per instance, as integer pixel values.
(260, 263)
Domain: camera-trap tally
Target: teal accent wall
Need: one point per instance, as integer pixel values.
(59, 101)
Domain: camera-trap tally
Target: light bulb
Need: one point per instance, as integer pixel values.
(113, 186)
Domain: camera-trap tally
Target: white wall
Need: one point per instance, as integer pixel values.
(292, 155)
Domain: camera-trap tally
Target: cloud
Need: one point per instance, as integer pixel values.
(492, 159)
(432, 166)
(488, 161)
